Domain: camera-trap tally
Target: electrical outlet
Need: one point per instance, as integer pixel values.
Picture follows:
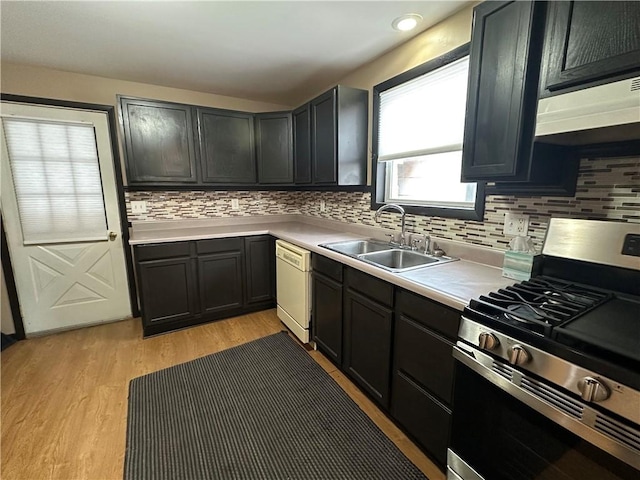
(516, 224)
(138, 207)
(323, 206)
(235, 205)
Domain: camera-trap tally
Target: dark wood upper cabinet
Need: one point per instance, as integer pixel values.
(274, 147)
(506, 53)
(590, 41)
(339, 137)
(324, 138)
(302, 144)
(226, 140)
(502, 97)
(158, 141)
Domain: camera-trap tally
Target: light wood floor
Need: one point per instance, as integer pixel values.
(64, 397)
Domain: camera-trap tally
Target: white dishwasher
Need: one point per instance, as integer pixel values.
(293, 273)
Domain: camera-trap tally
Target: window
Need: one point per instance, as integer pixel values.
(57, 181)
(417, 141)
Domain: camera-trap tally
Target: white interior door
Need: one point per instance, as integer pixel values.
(60, 207)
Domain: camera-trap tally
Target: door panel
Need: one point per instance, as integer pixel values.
(70, 284)
(220, 281)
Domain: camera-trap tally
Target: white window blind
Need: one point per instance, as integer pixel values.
(57, 181)
(425, 115)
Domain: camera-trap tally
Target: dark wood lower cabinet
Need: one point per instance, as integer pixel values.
(167, 290)
(422, 416)
(423, 371)
(367, 344)
(397, 346)
(221, 282)
(327, 316)
(186, 283)
(260, 258)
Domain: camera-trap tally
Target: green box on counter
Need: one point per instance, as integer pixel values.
(520, 265)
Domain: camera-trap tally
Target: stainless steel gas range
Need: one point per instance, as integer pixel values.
(548, 370)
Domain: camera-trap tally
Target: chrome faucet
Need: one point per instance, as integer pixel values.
(393, 206)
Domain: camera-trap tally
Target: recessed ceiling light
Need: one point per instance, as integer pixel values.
(406, 22)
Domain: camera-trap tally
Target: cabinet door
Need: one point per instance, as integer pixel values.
(167, 290)
(426, 419)
(226, 146)
(274, 148)
(367, 345)
(221, 280)
(324, 139)
(302, 144)
(327, 316)
(158, 142)
(588, 41)
(502, 96)
(259, 268)
(425, 357)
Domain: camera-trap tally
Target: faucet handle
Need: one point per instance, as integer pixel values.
(392, 238)
(414, 243)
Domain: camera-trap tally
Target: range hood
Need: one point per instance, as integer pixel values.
(603, 114)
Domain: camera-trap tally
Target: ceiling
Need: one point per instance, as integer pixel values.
(271, 51)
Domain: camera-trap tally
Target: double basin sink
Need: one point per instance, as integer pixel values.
(387, 256)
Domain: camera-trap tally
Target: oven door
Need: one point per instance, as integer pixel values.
(496, 435)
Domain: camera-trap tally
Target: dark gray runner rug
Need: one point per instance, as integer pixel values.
(262, 410)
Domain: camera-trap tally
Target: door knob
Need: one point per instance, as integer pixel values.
(112, 236)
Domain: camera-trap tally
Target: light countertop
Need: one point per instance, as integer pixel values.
(452, 284)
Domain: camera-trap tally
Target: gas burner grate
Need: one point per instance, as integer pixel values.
(539, 304)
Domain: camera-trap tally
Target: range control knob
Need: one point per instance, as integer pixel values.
(593, 390)
(488, 341)
(518, 355)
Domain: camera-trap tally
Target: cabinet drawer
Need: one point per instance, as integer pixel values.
(425, 357)
(218, 245)
(423, 417)
(326, 266)
(161, 250)
(374, 288)
(429, 313)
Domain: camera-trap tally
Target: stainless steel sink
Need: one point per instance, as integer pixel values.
(353, 248)
(386, 256)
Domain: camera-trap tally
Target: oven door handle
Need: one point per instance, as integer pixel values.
(510, 380)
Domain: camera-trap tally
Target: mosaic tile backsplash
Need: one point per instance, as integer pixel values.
(608, 189)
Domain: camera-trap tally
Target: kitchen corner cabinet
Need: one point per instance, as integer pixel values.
(158, 142)
(368, 323)
(274, 147)
(339, 137)
(423, 371)
(590, 41)
(226, 141)
(498, 146)
(187, 283)
(326, 308)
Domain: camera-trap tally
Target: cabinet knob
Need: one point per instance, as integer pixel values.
(593, 390)
(518, 355)
(112, 236)
(488, 341)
